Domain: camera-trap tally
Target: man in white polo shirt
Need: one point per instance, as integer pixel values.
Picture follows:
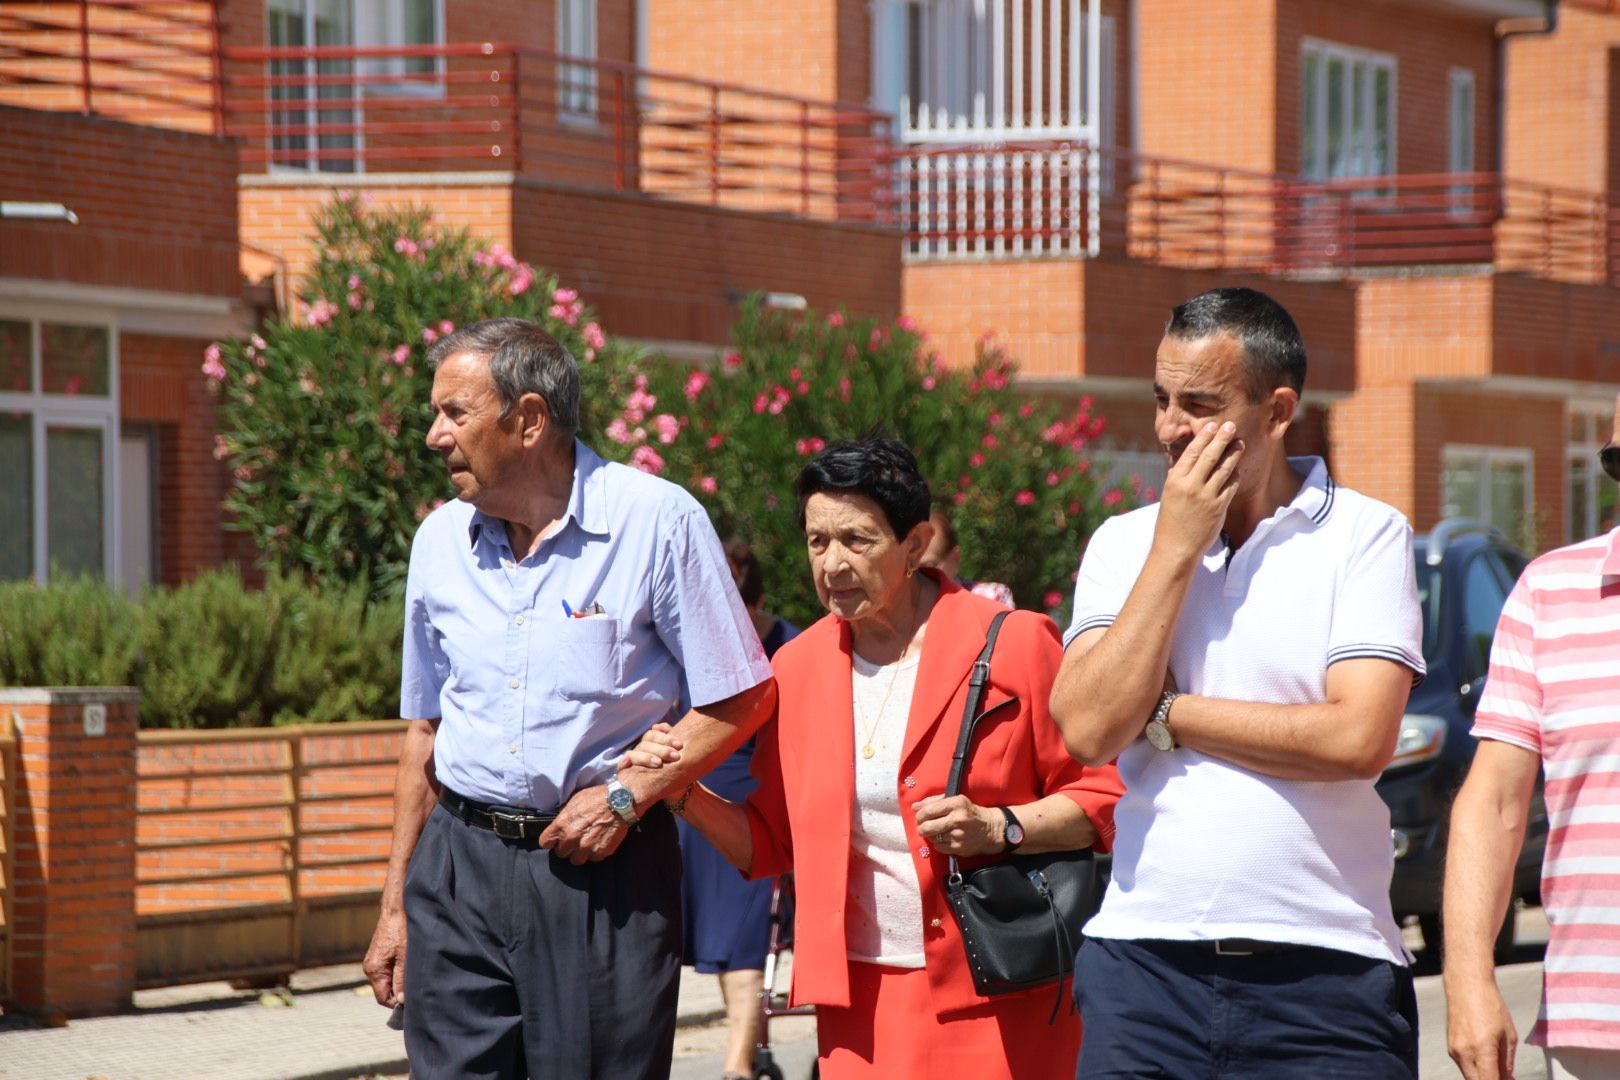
(1245, 647)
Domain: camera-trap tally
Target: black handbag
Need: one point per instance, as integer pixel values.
(1021, 917)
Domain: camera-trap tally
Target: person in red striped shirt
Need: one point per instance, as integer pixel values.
(1552, 700)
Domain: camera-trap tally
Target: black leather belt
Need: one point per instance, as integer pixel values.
(507, 822)
(1248, 946)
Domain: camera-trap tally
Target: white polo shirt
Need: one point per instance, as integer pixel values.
(1207, 849)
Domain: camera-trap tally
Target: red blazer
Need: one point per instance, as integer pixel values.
(800, 815)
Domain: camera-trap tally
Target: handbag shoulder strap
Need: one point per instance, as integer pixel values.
(970, 712)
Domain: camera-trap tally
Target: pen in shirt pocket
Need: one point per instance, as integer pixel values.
(583, 613)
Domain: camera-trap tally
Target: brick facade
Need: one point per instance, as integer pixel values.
(1563, 103)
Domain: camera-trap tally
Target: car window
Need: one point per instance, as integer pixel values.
(1428, 588)
(1485, 590)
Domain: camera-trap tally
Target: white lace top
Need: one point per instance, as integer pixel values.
(884, 924)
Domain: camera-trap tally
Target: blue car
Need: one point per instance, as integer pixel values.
(1465, 570)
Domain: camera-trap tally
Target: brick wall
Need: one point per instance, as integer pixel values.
(157, 209)
(161, 385)
(1073, 318)
(1412, 327)
(74, 916)
(813, 48)
(1563, 103)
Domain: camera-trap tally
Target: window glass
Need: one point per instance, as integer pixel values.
(1337, 158)
(75, 479)
(1347, 113)
(16, 357)
(74, 360)
(1383, 158)
(576, 36)
(1509, 488)
(1461, 484)
(1309, 129)
(16, 496)
(421, 28)
(1483, 597)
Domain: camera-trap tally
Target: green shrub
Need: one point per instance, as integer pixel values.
(212, 653)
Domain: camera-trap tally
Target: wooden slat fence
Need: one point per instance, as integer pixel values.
(262, 850)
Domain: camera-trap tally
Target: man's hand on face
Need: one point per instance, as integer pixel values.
(586, 829)
(1198, 490)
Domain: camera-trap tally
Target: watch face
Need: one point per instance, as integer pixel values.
(1158, 735)
(620, 798)
(1015, 833)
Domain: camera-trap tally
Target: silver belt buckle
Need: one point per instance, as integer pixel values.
(511, 821)
(1223, 949)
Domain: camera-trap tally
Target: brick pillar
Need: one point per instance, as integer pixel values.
(74, 899)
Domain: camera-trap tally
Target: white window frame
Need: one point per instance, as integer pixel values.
(577, 100)
(1461, 138)
(1581, 464)
(1485, 459)
(64, 410)
(382, 23)
(1373, 62)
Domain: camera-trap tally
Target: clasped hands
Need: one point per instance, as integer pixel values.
(953, 825)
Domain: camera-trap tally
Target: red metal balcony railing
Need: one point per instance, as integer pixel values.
(1047, 198)
(563, 119)
(144, 61)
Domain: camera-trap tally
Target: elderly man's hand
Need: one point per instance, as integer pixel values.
(587, 829)
(1480, 1034)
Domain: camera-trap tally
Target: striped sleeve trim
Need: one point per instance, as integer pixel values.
(1093, 623)
(1373, 651)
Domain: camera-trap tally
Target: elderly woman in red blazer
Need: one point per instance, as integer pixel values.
(851, 781)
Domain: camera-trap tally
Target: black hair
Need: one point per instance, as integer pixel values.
(876, 466)
(1273, 351)
(745, 570)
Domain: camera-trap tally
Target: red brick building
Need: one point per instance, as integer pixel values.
(1429, 185)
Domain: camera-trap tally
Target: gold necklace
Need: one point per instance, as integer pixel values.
(867, 751)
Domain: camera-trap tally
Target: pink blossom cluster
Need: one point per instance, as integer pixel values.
(812, 445)
(409, 248)
(321, 312)
(773, 400)
(255, 352)
(647, 460)
(212, 365)
(696, 383)
(566, 305)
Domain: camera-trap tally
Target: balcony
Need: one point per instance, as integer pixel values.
(1069, 200)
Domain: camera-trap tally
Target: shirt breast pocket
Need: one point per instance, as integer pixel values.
(588, 659)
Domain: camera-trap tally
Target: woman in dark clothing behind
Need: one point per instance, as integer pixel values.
(727, 917)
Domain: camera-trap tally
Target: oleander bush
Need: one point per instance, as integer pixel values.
(214, 652)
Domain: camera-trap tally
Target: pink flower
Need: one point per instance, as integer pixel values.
(1113, 498)
(259, 342)
(1052, 599)
(716, 442)
(564, 296)
(959, 498)
(522, 278)
(1052, 479)
(976, 460)
(1086, 403)
(647, 460)
(401, 354)
(667, 427)
(355, 301)
(618, 431)
(928, 382)
(803, 388)
(843, 389)
(990, 442)
(835, 319)
(212, 354)
(708, 485)
(429, 334)
(906, 323)
(1024, 498)
(593, 335)
(222, 449)
(243, 473)
(794, 374)
(809, 446)
(1025, 411)
(1052, 433)
(760, 404)
(306, 384)
(696, 383)
(446, 327)
(732, 359)
(995, 419)
(354, 282)
(321, 313)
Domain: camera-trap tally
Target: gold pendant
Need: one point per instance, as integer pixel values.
(867, 751)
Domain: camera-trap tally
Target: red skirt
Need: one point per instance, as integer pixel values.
(890, 1030)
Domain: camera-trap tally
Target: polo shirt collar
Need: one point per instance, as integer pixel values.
(1315, 497)
(587, 499)
(1609, 561)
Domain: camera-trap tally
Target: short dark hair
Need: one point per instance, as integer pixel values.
(523, 359)
(1273, 351)
(745, 570)
(876, 466)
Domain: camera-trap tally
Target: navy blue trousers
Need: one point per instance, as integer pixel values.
(1171, 1010)
(518, 963)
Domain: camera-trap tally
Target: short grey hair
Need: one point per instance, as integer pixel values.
(523, 359)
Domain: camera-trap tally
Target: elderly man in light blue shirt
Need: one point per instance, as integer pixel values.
(555, 611)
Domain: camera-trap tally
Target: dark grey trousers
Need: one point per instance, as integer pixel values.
(518, 963)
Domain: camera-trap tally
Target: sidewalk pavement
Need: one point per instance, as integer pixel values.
(326, 1027)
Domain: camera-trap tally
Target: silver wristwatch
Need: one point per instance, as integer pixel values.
(1157, 731)
(621, 802)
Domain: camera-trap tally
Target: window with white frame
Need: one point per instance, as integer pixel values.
(1347, 120)
(58, 434)
(1591, 494)
(1492, 484)
(576, 36)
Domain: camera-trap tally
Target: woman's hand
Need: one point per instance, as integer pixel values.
(956, 826)
(656, 749)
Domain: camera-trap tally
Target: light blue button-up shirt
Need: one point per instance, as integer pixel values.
(534, 703)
